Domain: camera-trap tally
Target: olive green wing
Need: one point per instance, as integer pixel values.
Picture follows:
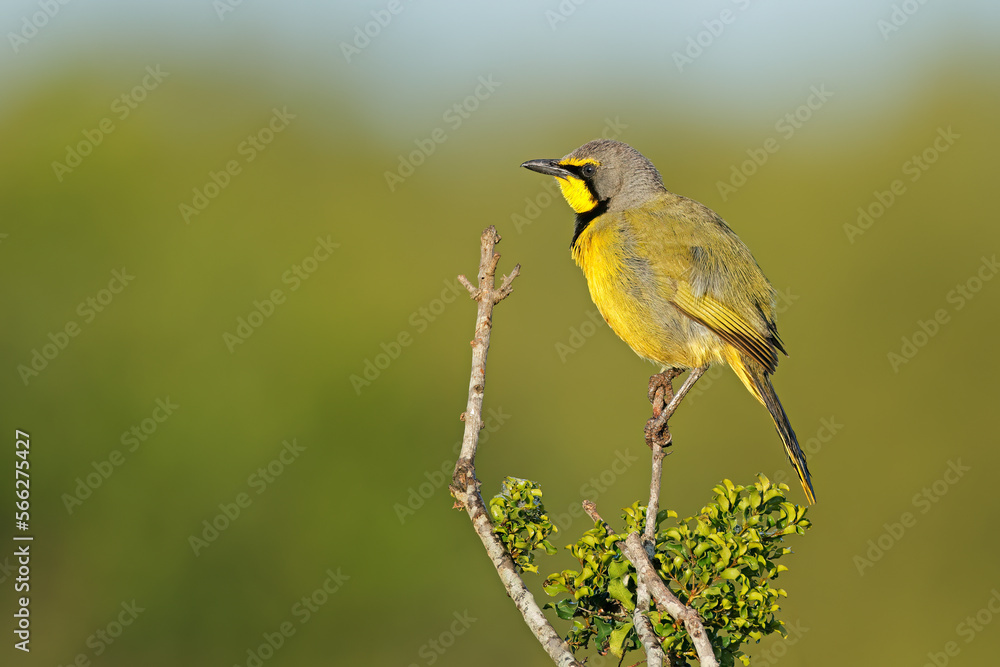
(729, 325)
(712, 278)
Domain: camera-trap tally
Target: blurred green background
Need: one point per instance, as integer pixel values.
(115, 116)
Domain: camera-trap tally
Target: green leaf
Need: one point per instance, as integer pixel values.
(618, 636)
(554, 588)
(585, 574)
(663, 515)
(603, 629)
(619, 591)
(619, 568)
(565, 608)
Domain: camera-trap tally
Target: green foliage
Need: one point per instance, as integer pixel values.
(520, 521)
(721, 562)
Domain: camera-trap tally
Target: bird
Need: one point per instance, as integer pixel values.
(670, 277)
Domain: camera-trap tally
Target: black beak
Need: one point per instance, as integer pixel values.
(550, 167)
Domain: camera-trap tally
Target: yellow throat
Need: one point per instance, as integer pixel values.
(575, 190)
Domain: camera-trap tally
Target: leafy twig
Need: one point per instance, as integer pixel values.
(665, 600)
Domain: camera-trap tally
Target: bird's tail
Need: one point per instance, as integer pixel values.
(755, 378)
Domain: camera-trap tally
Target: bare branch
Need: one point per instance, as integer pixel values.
(660, 394)
(591, 509)
(465, 486)
(487, 297)
(644, 628)
(469, 286)
(507, 285)
(663, 408)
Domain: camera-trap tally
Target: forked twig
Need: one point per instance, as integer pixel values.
(465, 486)
(639, 551)
(664, 598)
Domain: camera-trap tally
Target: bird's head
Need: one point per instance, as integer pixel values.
(602, 175)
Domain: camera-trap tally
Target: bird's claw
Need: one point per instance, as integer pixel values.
(657, 432)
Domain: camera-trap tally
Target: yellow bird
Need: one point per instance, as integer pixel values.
(669, 275)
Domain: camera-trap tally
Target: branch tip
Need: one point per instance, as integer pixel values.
(469, 286)
(465, 486)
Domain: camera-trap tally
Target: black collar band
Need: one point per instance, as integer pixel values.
(584, 219)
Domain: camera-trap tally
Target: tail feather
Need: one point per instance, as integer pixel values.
(756, 380)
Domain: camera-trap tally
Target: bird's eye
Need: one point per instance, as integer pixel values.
(588, 170)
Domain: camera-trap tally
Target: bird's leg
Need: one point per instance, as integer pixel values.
(665, 402)
(682, 392)
(661, 393)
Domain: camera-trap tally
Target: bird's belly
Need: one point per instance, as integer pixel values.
(637, 309)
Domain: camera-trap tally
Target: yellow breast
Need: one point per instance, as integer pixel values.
(634, 305)
(599, 251)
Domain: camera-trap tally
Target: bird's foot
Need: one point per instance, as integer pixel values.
(657, 432)
(661, 392)
(662, 381)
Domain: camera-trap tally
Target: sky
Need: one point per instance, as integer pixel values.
(718, 58)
